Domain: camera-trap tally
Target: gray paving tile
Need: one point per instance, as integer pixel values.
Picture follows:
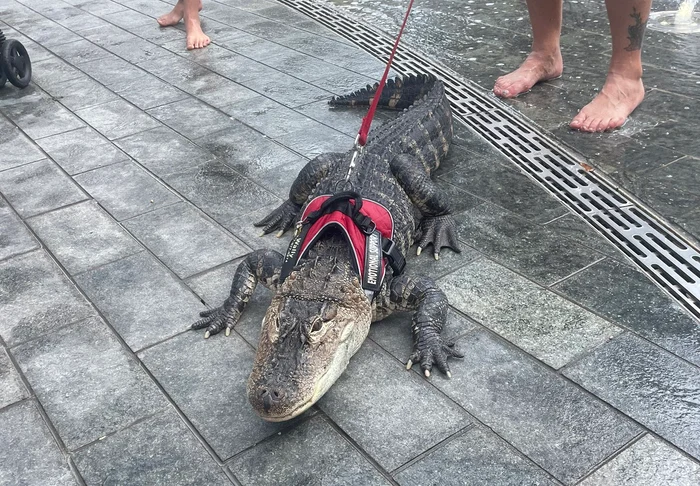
(136, 50)
(86, 382)
(148, 92)
(533, 408)
(184, 240)
(174, 68)
(33, 455)
(214, 287)
(394, 333)
(518, 244)
(191, 118)
(248, 152)
(111, 71)
(80, 51)
(15, 238)
(164, 152)
(106, 34)
(81, 92)
(317, 141)
(36, 297)
(655, 388)
(285, 459)
(647, 463)
(117, 119)
(48, 33)
(573, 228)
(83, 236)
(81, 150)
(365, 403)
(15, 147)
(215, 89)
(287, 90)
(125, 190)
(549, 327)
(160, 450)
(212, 392)
(53, 71)
(220, 192)
(278, 180)
(673, 190)
(42, 117)
(475, 458)
(626, 296)
(141, 299)
(347, 121)
(100, 7)
(38, 187)
(243, 228)
(506, 188)
(11, 387)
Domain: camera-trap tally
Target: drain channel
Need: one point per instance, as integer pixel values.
(666, 257)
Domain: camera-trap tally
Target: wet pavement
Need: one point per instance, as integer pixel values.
(131, 171)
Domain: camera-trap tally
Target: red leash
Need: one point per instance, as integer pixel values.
(367, 120)
(361, 138)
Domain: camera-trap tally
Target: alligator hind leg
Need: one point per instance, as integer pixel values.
(438, 227)
(259, 266)
(420, 294)
(282, 218)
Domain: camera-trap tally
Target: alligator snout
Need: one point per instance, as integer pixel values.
(270, 397)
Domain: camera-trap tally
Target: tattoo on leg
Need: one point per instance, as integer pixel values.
(636, 31)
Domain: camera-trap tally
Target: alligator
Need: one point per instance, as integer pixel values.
(326, 291)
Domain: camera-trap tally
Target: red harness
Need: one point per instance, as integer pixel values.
(367, 226)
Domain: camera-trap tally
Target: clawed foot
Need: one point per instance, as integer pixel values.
(215, 320)
(441, 232)
(433, 351)
(281, 219)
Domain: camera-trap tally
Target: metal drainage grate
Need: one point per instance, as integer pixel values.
(670, 260)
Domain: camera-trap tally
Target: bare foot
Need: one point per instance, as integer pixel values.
(536, 68)
(196, 38)
(611, 107)
(174, 16)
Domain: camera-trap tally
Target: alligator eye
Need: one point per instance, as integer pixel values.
(329, 311)
(318, 325)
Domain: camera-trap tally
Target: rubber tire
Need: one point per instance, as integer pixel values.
(14, 76)
(3, 78)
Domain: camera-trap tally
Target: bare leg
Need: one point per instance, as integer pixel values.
(174, 16)
(196, 39)
(623, 90)
(544, 61)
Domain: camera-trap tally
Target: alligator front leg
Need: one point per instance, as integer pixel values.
(420, 294)
(438, 227)
(282, 218)
(259, 266)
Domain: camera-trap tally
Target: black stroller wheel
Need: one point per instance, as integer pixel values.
(15, 63)
(3, 78)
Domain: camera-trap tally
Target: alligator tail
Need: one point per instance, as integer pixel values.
(398, 94)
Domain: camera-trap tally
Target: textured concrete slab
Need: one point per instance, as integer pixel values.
(125, 190)
(527, 248)
(392, 414)
(83, 236)
(159, 450)
(15, 238)
(179, 116)
(148, 92)
(112, 72)
(647, 462)
(654, 387)
(286, 459)
(164, 152)
(86, 382)
(536, 320)
(559, 427)
(15, 147)
(117, 119)
(141, 299)
(184, 240)
(36, 297)
(626, 296)
(575, 229)
(81, 50)
(81, 92)
(211, 388)
(81, 150)
(33, 455)
(42, 117)
(38, 187)
(475, 458)
(220, 191)
(11, 387)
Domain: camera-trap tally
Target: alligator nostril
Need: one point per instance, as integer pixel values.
(269, 396)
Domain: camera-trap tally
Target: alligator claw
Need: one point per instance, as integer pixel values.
(433, 351)
(215, 321)
(281, 219)
(439, 231)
